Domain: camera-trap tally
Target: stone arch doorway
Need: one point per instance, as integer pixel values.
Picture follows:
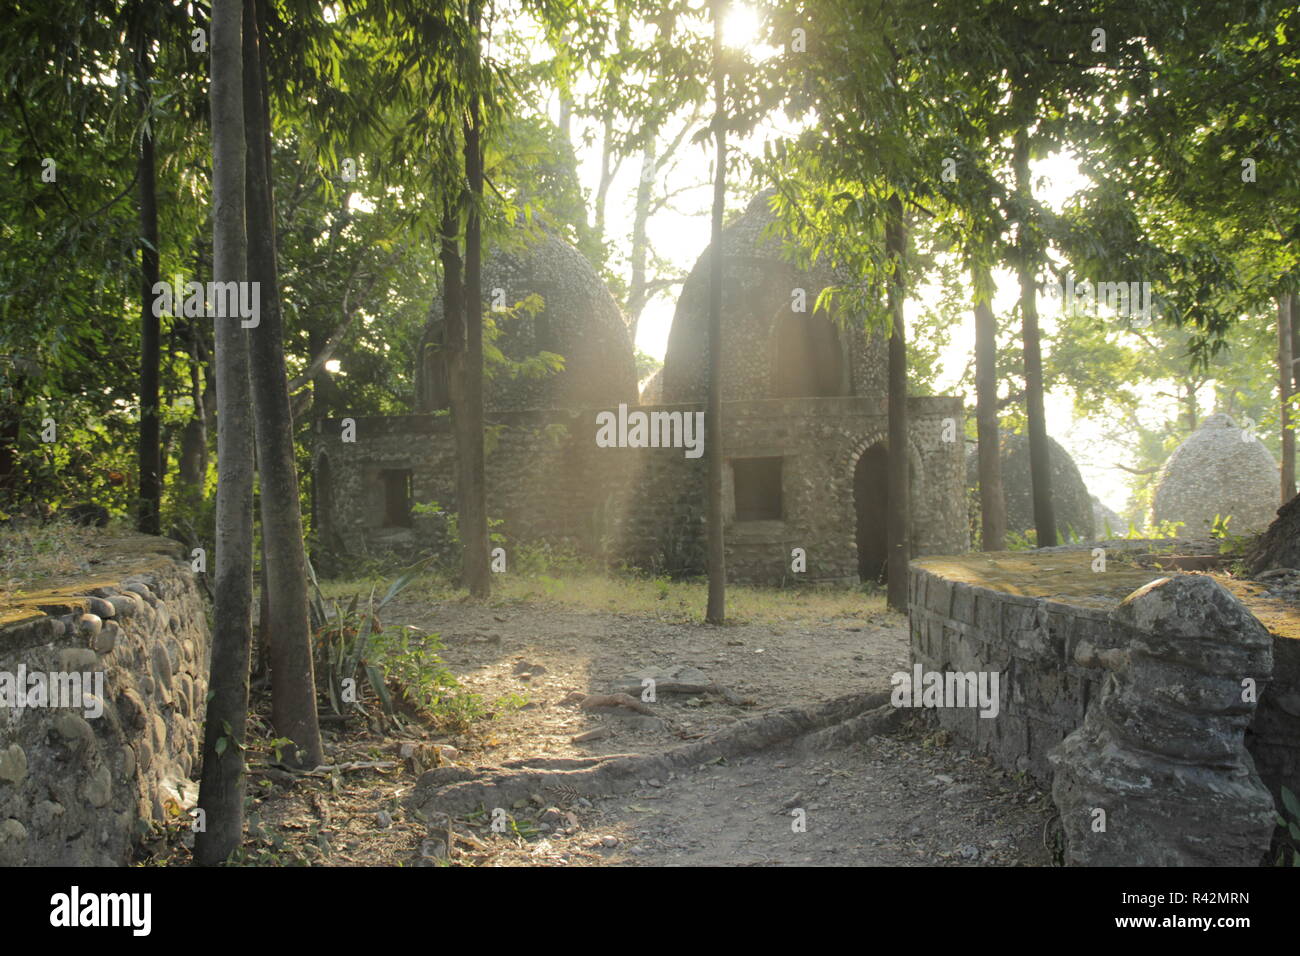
(871, 507)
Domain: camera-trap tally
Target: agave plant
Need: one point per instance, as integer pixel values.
(344, 638)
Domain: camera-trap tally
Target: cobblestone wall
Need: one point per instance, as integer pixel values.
(1050, 655)
(79, 784)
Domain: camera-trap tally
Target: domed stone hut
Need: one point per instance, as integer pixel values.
(576, 462)
(775, 344)
(1106, 523)
(652, 392)
(1071, 501)
(578, 319)
(804, 426)
(1218, 470)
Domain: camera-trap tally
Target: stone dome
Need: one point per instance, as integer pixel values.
(774, 345)
(1219, 469)
(653, 389)
(1106, 523)
(578, 319)
(1070, 498)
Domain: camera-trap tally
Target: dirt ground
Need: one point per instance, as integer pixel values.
(910, 797)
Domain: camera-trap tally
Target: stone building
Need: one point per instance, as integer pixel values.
(1219, 470)
(1072, 502)
(804, 435)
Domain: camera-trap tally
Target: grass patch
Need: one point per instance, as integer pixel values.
(655, 597)
(31, 553)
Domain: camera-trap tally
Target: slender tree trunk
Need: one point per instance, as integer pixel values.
(149, 447)
(566, 117)
(993, 502)
(221, 788)
(636, 294)
(473, 504)
(898, 525)
(716, 613)
(1040, 462)
(1285, 318)
(288, 634)
(1295, 343)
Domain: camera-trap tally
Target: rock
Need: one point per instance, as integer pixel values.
(13, 764)
(433, 849)
(77, 660)
(107, 638)
(97, 788)
(1158, 774)
(681, 679)
(609, 842)
(88, 626)
(383, 819)
(100, 607)
(126, 605)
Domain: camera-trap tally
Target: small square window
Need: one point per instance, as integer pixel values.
(397, 484)
(758, 489)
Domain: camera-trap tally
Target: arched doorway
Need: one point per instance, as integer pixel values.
(871, 504)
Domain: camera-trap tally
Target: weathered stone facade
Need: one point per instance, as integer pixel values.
(1048, 624)
(773, 342)
(804, 430)
(1070, 499)
(1219, 470)
(77, 784)
(549, 481)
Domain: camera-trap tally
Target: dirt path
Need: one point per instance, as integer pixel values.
(904, 798)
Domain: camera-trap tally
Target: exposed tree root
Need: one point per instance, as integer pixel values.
(835, 723)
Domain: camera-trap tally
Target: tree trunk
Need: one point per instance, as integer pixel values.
(221, 787)
(288, 636)
(473, 496)
(1040, 462)
(716, 612)
(993, 502)
(898, 524)
(148, 518)
(1285, 318)
(636, 293)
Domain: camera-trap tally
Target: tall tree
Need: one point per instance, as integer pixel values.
(221, 787)
(287, 618)
(716, 612)
(1028, 255)
(993, 503)
(898, 524)
(149, 447)
(473, 490)
(1285, 364)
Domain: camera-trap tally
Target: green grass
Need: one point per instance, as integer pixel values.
(640, 595)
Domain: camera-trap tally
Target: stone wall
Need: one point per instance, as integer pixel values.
(80, 784)
(1051, 642)
(548, 481)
